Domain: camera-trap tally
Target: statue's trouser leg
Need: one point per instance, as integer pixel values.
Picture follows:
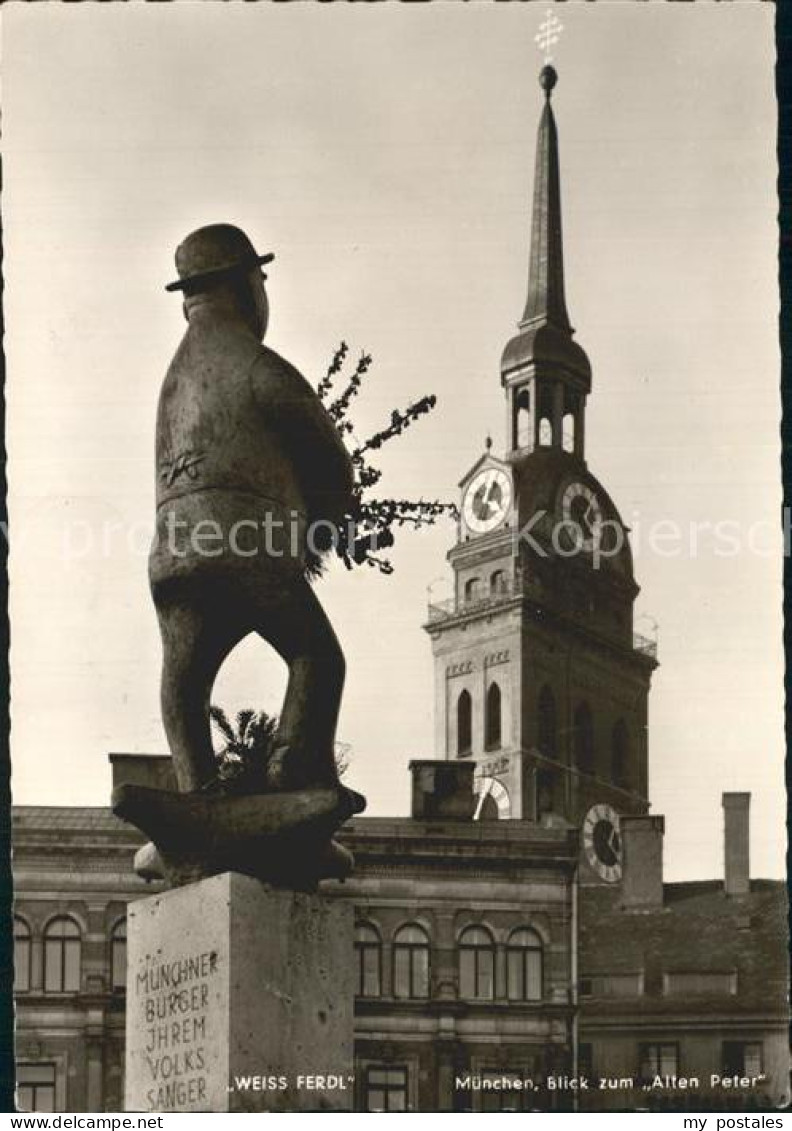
(195, 641)
(297, 627)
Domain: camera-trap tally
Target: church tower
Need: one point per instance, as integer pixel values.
(539, 678)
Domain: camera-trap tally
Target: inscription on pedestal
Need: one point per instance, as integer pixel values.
(175, 999)
(177, 1003)
(230, 983)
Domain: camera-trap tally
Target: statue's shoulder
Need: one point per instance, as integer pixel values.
(272, 374)
(270, 361)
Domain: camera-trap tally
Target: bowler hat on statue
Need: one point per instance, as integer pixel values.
(213, 251)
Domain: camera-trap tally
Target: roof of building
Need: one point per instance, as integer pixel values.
(698, 930)
(60, 832)
(61, 817)
(50, 828)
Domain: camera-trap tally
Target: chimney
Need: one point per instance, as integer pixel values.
(642, 862)
(735, 843)
(442, 789)
(155, 770)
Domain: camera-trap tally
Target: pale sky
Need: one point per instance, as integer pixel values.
(385, 153)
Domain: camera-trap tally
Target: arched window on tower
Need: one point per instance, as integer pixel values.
(523, 430)
(498, 583)
(545, 409)
(472, 590)
(568, 432)
(620, 755)
(584, 739)
(546, 725)
(492, 728)
(464, 723)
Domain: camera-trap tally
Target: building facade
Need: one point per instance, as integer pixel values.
(72, 884)
(487, 973)
(463, 950)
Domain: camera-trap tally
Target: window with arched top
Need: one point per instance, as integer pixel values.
(476, 951)
(22, 955)
(524, 965)
(411, 962)
(568, 432)
(545, 433)
(464, 723)
(492, 719)
(118, 956)
(547, 724)
(498, 583)
(523, 423)
(472, 590)
(62, 950)
(620, 755)
(368, 953)
(584, 739)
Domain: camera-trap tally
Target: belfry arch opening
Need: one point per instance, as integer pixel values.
(523, 420)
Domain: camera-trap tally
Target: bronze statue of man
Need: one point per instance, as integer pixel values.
(247, 460)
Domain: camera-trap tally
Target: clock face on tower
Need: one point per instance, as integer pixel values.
(580, 507)
(487, 500)
(602, 842)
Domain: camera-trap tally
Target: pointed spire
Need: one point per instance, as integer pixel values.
(546, 303)
(544, 345)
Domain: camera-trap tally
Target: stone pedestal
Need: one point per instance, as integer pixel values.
(239, 998)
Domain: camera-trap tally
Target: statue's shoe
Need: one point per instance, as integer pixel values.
(282, 838)
(338, 862)
(147, 863)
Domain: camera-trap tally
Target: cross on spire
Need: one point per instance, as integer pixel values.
(549, 34)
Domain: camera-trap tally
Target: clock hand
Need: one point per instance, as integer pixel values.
(591, 523)
(485, 501)
(495, 493)
(482, 798)
(481, 503)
